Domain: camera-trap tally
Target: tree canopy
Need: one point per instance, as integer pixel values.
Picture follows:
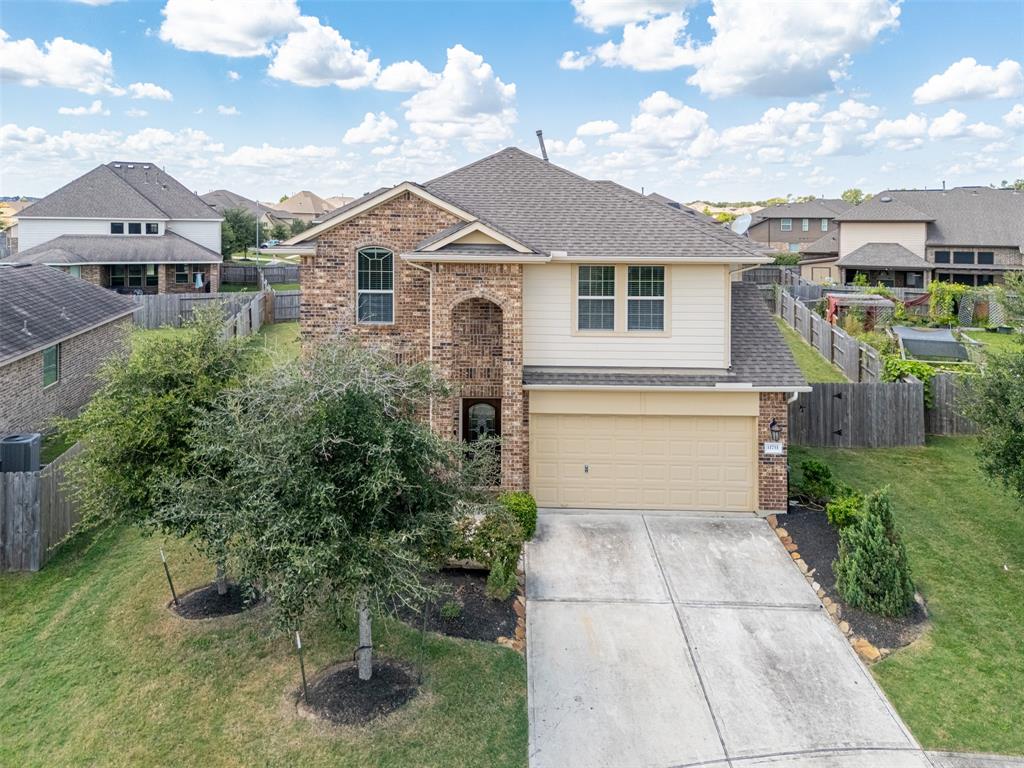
(237, 231)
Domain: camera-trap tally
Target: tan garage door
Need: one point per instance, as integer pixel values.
(644, 462)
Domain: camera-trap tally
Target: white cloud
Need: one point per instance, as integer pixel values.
(267, 156)
(659, 102)
(227, 27)
(600, 15)
(96, 108)
(597, 128)
(316, 55)
(902, 134)
(789, 126)
(648, 47)
(95, 2)
(60, 63)
(842, 126)
(771, 155)
(1015, 117)
(136, 113)
(570, 148)
(665, 128)
(575, 60)
(228, 111)
(149, 91)
(232, 75)
(469, 100)
(373, 130)
(953, 124)
(405, 76)
(967, 79)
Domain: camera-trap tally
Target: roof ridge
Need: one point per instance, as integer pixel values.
(132, 187)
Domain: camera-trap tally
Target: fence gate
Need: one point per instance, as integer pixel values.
(865, 415)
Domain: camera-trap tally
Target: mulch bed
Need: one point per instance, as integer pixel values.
(479, 618)
(818, 543)
(205, 603)
(339, 696)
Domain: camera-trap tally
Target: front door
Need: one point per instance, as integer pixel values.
(481, 417)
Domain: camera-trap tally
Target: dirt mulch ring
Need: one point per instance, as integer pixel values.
(479, 617)
(340, 697)
(818, 544)
(205, 603)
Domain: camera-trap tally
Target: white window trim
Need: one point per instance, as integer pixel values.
(661, 298)
(786, 225)
(824, 225)
(361, 291)
(579, 298)
(621, 302)
(805, 225)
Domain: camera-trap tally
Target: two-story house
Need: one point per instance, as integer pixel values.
(909, 237)
(794, 226)
(605, 336)
(125, 226)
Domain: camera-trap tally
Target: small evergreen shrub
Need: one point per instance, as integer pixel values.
(451, 610)
(816, 483)
(872, 571)
(844, 508)
(494, 539)
(524, 507)
(501, 581)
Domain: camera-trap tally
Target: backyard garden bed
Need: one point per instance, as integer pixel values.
(463, 609)
(818, 545)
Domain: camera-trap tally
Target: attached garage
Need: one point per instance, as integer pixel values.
(644, 450)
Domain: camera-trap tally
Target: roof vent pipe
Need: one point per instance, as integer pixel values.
(943, 185)
(543, 149)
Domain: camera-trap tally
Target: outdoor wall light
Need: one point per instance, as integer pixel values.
(776, 431)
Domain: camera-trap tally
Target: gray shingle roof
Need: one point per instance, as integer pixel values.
(885, 207)
(479, 249)
(977, 216)
(168, 248)
(126, 190)
(883, 255)
(828, 244)
(820, 208)
(225, 200)
(41, 306)
(552, 209)
(760, 357)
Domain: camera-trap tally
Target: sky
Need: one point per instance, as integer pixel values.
(719, 100)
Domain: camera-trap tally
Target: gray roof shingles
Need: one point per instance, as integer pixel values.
(125, 190)
(168, 248)
(819, 208)
(883, 255)
(760, 357)
(40, 306)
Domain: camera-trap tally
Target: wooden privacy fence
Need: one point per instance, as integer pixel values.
(174, 309)
(247, 320)
(859, 361)
(248, 274)
(286, 305)
(36, 513)
(871, 415)
(945, 417)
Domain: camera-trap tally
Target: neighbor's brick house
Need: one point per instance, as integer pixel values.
(55, 333)
(603, 335)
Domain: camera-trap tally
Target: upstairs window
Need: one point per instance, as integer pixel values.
(986, 257)
(805, 225)
(786, 225)
(824, 225)
(117, 227)
(152, 228)
(51, 365)
(942, 257)
(135, 228)
(645, 310)
(595, 306)
(375, 285)
(963, 257)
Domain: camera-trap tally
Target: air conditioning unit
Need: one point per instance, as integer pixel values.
(20, 453)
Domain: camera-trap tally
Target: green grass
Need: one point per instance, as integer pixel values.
(1000, 342)
(94, 670)
(280, 340)
(54, 444)
(815, 368)
(961, 687)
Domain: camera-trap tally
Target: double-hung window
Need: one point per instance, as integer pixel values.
(595, 305)
(645, 308)
(51, 365)
(963, 257)
(375, 285)
(134, 227)
(152, 228)
(824, 225)
(942, 257)
(805, 225)
(786, 225)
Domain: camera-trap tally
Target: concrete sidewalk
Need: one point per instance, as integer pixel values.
(662, 640)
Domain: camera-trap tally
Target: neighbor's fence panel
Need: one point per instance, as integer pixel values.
(945, 417)
(247, 320)
(868, 415)
(247, 274)
(36, 514)
(174, 309)
(286, 305)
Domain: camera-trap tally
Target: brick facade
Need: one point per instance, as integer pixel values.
(26, 406)
(772, 472)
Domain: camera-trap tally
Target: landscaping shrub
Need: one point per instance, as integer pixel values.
(816, 483)
(872, 571)
(493, 539)
(524, 507)
(501, 581)
(895, 367)
(844, 508)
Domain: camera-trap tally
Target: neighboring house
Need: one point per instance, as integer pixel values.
(605, 336)
(793, 226)
(305, 205)
(55, 332)
(907, 238)
(336, 201)
(222, 200)
(125, 226)
(9, 210)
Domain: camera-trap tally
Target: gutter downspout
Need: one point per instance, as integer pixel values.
(430, 325)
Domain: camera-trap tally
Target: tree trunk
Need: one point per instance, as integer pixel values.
(364, 656)
(222, 580)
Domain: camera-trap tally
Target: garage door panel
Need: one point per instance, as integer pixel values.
(653, 462)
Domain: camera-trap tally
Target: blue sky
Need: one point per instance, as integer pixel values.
(727, 99)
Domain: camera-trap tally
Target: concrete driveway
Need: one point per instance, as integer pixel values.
(661, 640)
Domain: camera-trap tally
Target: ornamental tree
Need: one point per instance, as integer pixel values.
(334, 491)
(136, 429)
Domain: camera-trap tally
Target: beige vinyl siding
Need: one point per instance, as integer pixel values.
(697, 322)
(33, 232)
(206, 233)
(910, 234)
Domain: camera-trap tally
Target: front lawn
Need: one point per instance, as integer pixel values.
(814, 367)
(94, 670)
(960, 686)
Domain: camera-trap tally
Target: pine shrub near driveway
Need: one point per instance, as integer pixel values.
(872, 572)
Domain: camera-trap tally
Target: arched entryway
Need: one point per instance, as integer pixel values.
(477, 367)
